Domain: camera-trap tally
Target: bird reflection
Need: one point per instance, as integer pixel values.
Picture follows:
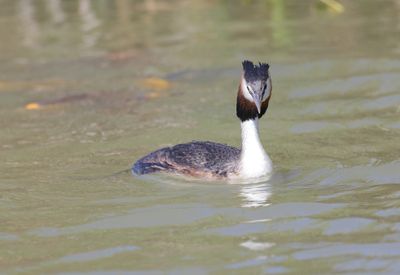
(255, 195)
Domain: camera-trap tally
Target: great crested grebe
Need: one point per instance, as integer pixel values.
(214, 160)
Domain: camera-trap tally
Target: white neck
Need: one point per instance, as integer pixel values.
(254, 161)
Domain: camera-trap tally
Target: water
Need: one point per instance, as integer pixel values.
(87, 87)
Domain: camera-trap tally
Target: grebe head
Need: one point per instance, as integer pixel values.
(254, 91)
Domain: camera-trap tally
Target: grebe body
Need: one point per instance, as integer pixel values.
(207, 159)
(198, 158)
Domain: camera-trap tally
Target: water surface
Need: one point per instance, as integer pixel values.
(87, 87)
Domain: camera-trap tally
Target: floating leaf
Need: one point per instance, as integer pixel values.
(33, 106)
(156, 83)
(56, 101)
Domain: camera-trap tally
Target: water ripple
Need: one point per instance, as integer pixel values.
(347, 225)
(97, 254)
(156, 216)
(381, 83)
(333, 250)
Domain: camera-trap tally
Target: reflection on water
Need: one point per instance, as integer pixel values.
(56, 11)
(281, 34)
(89, 23)
(32, 28)
(255, 195)
(29, 24)
(154, 24)
(256, 246)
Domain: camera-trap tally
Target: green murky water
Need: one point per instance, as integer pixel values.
(109, 81)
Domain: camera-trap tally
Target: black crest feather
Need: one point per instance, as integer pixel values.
(253, 72)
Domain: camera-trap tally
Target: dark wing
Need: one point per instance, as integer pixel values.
(204, 155)
(195, 158)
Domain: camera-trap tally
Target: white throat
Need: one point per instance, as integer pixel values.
(254, 161)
